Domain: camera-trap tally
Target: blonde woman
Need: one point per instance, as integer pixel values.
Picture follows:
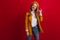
(32, 21)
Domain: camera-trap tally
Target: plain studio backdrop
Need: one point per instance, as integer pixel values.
(12, 19)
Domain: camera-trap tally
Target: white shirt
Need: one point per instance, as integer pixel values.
(34, 19)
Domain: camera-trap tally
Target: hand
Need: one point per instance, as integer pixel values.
(27, 33)
(40, 10)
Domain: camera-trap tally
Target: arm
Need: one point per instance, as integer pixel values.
(41, 17)
(26, 22)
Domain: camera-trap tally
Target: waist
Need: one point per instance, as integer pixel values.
(34, 26)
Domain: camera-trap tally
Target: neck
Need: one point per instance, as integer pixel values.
(32, 11)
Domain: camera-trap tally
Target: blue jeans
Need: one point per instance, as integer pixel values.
(35, 33)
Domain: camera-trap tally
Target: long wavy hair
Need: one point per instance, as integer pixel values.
(36, 7)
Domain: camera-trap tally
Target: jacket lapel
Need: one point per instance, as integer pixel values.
(30, 17)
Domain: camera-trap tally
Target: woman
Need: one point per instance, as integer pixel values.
(33, 19)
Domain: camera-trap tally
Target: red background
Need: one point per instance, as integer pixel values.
(12, 17)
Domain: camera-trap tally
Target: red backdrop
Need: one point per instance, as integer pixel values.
(12, 17)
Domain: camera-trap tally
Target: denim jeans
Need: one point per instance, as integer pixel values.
(35, 33)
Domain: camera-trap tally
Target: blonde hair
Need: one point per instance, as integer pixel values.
(34, 2)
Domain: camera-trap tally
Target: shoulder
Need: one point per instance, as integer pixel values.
(27, 13)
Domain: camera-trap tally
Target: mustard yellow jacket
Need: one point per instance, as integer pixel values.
(28, 21)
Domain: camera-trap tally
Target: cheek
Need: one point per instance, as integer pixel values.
(35, 7)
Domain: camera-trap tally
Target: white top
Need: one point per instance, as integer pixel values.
(34, 19)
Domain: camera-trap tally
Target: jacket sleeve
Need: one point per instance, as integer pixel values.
(41, 19)
(26, 22)
(41, 16)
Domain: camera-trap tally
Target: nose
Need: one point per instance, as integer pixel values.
(33, 7)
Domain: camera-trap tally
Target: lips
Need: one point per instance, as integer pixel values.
(33, 7)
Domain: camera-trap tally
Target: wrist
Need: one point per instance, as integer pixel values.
(40, 13)
(26, 30)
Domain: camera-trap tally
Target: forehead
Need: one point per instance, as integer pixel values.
(35, 5)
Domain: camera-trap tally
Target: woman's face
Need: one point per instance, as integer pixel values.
(34, 6)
